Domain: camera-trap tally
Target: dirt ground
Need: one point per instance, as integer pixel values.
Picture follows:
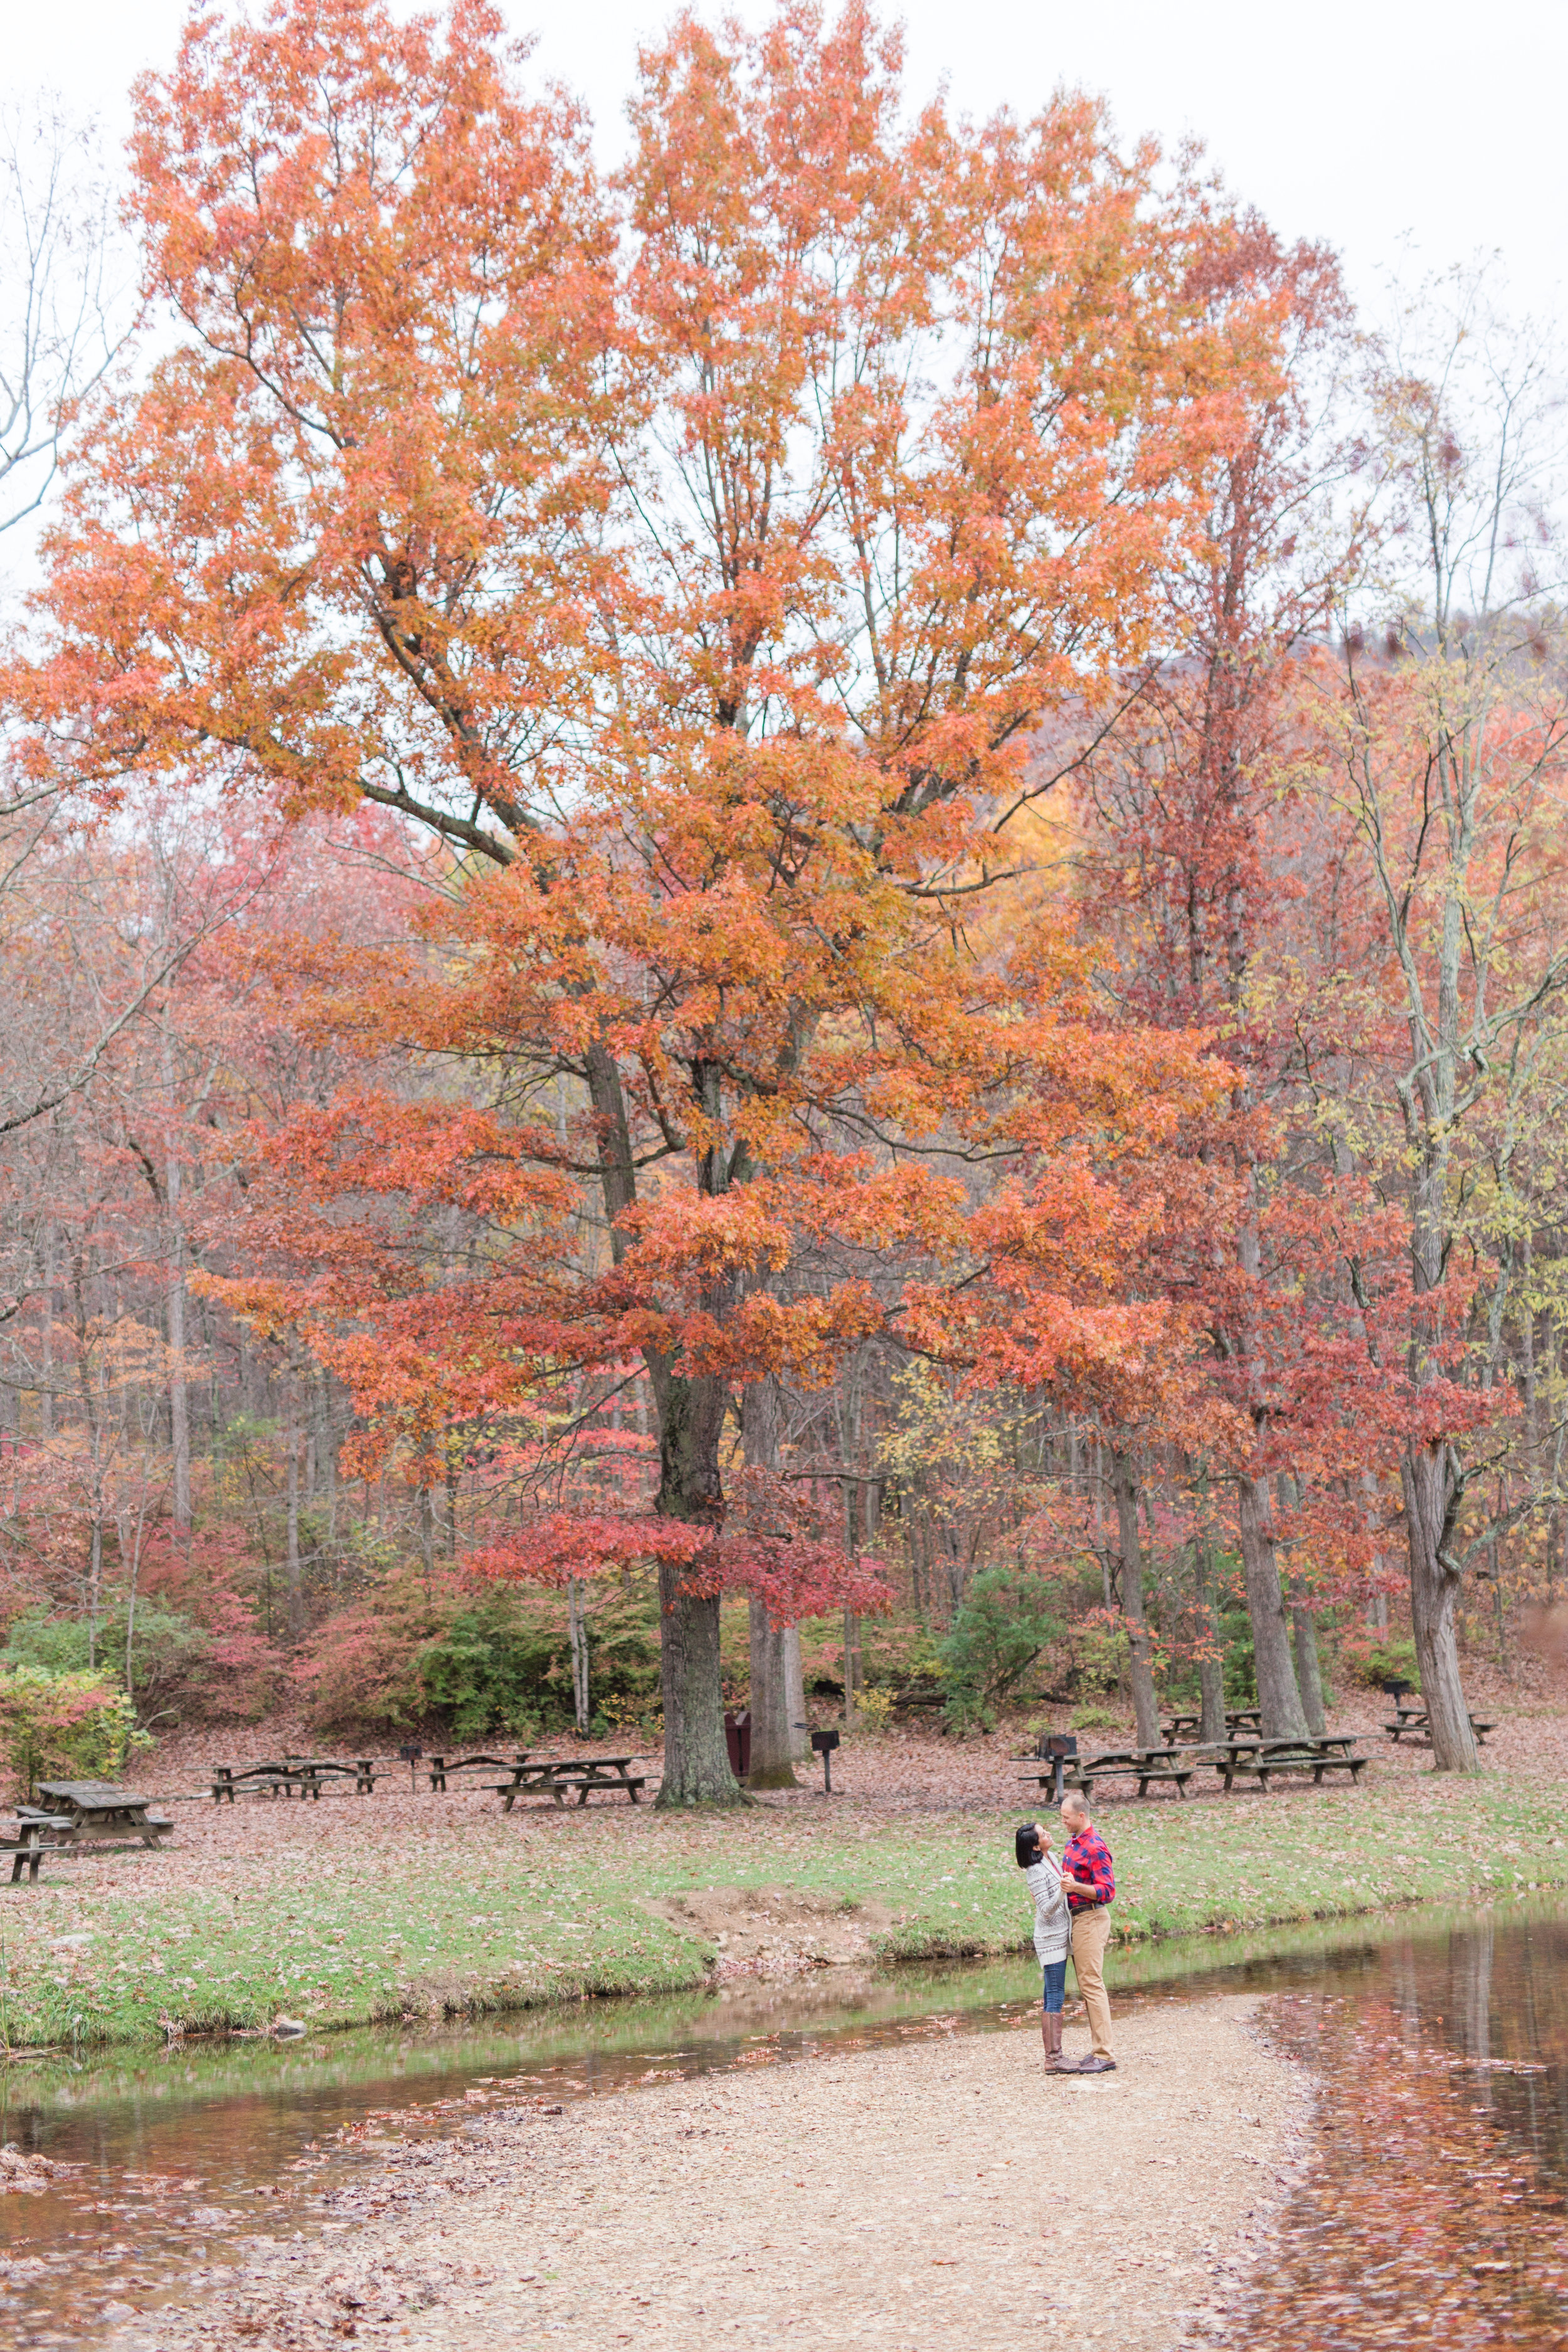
(934, 2194)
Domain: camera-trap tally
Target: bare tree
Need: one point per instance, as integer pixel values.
(1453, 745)
(59, 300)
(61, 325)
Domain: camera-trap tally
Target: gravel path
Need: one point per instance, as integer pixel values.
(933, 2194)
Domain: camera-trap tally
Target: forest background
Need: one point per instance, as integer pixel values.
(786, 931)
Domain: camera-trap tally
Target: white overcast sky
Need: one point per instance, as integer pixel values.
(1354, 120)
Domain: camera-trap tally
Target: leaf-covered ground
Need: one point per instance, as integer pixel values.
(353, 1909)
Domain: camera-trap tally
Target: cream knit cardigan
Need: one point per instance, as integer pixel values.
(1052, 1923)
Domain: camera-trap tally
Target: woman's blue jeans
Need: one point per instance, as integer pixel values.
(1056, 1985)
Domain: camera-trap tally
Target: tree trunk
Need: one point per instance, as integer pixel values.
(1277, 1696)
(1434, 1591)
(292, 1478)
(577, 1637)
(1211, 1668)
(1139, 1665)
(690, 1415)
(794, 1697)
(1308, 1671)
(772, 1747)
(695, 1756)
(47, 1340)
(849, 1456)
(95, 1583)
(851, 1664)
(179, 1397)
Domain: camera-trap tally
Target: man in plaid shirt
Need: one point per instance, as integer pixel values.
(1090, 1884)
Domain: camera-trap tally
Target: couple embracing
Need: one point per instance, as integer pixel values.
(1072, 1900)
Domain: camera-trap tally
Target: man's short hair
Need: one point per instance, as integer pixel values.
(1075, 1803)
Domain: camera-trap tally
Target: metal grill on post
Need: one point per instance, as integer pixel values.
(1055, 1750)
(824, 1742)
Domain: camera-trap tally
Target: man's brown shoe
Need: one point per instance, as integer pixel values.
(1097, 2066)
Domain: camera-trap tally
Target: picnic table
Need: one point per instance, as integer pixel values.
(76, 1812)
(1416, 1720)
(1237, 1718)
(301, 1775)
(440, 1766)
(1263, 1760)
(557, 1776)
(1141, 1764)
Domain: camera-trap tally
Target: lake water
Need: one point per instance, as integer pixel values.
(1435, 2215)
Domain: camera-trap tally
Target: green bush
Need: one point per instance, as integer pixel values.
(1093, 1719)
(487, 1671)
(503, 1665)
(1004, 1621)
(67, 1727)
(166, 1647)
(1099, 1657)
(1389, 1659)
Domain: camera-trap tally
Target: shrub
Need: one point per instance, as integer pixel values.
(487, 1671)
(1099, 1655)
(1388, 1658)
(63, 1726)
(504, 1662)
(363, 1668)
(1093, 1719)
(1004, 1621)
(174, 1661)
(495, 1658)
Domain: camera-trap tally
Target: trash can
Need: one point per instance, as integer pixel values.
(738, 1739)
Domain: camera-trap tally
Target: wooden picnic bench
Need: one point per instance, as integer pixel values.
(296, 1776)
(36, 1833)
(1264, 1760)
(1416, 1721)
(1141, 1764)
(1237, 1718)
(71, 1815)
(26, 1851)
(440, 1766)
(75, 1812)
(556, 1777)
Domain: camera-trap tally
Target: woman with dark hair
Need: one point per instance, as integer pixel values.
(1043, 1878)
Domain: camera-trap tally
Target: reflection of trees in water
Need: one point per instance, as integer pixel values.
(1435, 2215)
(1469, 2009)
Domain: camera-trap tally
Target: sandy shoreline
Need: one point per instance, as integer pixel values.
(908, 2198)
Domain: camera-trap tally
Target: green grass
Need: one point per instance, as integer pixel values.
(470, 1920)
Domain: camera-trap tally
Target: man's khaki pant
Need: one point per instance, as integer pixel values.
(1090, 1934)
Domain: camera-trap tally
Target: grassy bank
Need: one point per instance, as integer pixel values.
(369, 1922)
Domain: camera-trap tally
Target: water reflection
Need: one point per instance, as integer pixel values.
(1435, 2214)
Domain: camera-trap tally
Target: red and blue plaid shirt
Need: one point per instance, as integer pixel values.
(1088, 1857)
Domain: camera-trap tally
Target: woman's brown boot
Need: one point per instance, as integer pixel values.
(1055, 2062)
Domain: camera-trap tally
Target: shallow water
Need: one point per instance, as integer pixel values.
(1435, 2214)
(1417, 2023)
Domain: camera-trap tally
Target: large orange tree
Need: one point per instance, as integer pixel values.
(696, 558)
